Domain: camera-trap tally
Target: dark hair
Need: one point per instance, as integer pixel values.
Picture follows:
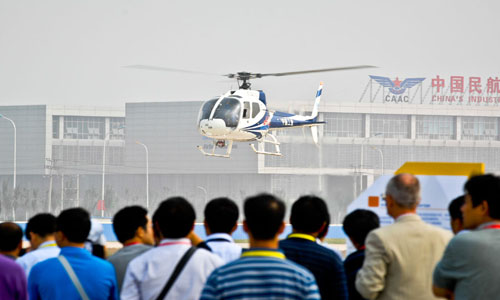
(359, 223)
(454, 208)
(221, 214)
(309, 213)
(264, 214)
(174, 218)
(10, 236)
(42, 224)
(485, 188)
(127, 220)
(75, 224)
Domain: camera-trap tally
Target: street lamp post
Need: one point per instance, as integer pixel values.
(15, 146)
(204, 191)
(381, 157)
(147, 172)
(106, 136)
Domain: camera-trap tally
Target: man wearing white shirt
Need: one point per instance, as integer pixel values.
(40, 231)
(221, 217)
(148, 273)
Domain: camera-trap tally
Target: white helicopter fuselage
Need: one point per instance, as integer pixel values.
(237, 115)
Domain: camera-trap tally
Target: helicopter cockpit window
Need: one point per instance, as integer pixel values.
(207, 109)
(229, 111)
(255, 109)
(246, 110)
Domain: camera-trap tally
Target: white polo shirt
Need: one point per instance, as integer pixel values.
(223, 245)
(148, 273)
(45, 251)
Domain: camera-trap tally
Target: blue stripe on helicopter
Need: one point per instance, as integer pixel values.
(257, 133)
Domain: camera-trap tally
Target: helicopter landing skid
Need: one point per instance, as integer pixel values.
(217, 143)
(274, 142)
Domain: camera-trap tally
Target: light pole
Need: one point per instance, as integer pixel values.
(147, 172)
(106, 136)
(204, 191)
(381, 157)
(15, 146)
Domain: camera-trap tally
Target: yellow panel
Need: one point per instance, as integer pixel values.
(442, 168)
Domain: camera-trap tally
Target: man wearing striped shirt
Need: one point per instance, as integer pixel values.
(263, 271)
(309, 217)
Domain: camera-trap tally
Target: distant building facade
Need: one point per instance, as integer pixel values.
(60, 154)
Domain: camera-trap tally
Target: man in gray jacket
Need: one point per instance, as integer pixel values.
(401, 257)
(134, 230)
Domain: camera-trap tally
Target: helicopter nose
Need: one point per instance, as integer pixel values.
(214, 127)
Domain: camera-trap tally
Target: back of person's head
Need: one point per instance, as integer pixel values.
(264, 215)
(10, 236)
(405, 190)
(454, 208)
(43, 224)
(221, 214)
(74, 223)
(309, 214)
(127, 220)
(485, 188)
(174, 218)
(359, 223)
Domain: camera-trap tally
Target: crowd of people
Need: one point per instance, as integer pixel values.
(162, 257)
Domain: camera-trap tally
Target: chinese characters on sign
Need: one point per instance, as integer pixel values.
(478, 93)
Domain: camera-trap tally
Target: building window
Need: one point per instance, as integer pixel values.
(84, 128)
(390, 126)
(55, 127)
(435, 127)
(479, 128)
(117, 128)
(343, 125)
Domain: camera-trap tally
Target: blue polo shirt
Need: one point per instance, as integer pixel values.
(261, 274)
(325, 264)
(49, 280)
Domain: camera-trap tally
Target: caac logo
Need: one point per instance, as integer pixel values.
(397, 87)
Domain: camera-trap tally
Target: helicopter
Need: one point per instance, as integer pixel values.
(242, 115)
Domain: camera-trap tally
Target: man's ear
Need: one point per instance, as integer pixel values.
(282, 228)
(140, 232)
(207, 229)
(322, 228)
(234, 228)
(245, 226)
(389, 201)
(32, 235)
(485, 208)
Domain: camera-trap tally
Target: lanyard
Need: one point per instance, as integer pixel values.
(130, 244)
(302, 236)
(49, 245)
(174, 243)
(266, 253)
(493, 226)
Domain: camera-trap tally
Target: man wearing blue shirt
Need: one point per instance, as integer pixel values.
(262, 272)
(309, 217)
(40, 231)
(50, 280)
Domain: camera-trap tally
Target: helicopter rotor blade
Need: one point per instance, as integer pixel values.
(155, 68)
(315, 71)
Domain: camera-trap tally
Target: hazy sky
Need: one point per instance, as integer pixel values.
(72, 52)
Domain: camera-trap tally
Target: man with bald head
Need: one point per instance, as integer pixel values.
(400, 258)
